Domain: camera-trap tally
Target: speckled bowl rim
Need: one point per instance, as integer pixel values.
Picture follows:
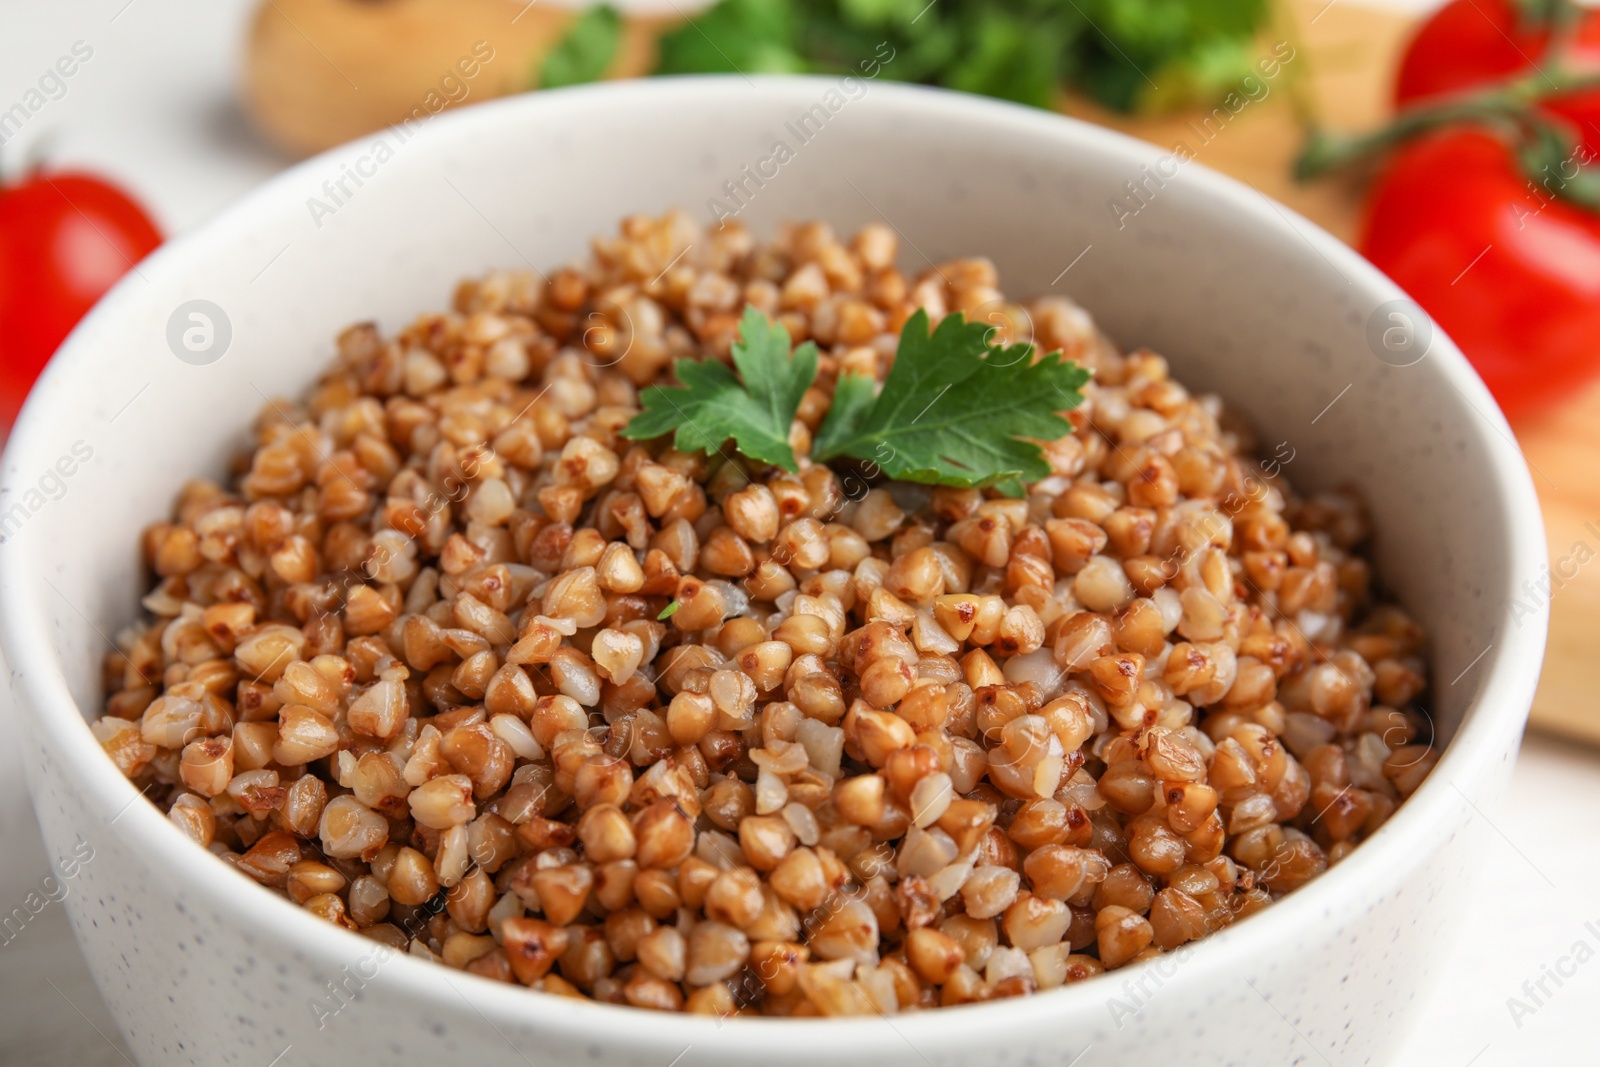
(1487, 734)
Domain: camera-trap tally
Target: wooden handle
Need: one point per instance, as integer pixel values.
(318, 73)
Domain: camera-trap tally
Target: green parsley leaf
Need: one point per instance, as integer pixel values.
(586, 51)
(955, 410)
(734, 37)
(712, 406)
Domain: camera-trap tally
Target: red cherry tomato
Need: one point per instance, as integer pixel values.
(1469, 43)
(1512, 277)
(64, 239)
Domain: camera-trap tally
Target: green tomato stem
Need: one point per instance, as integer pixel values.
(1539, 141)
(1559, 15)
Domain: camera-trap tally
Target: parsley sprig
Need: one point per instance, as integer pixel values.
(955, 409)
(712, 405)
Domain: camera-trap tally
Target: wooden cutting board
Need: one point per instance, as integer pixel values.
(1343, 66)
(305, 96)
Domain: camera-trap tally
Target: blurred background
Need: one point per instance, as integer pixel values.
(1451, 143)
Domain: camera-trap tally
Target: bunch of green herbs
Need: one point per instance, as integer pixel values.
(1130, 55)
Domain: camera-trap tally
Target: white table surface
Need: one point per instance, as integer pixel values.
(155, 107)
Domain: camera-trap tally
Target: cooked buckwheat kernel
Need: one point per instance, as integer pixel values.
(456, 665)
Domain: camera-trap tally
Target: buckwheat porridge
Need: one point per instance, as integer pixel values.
(469, 657)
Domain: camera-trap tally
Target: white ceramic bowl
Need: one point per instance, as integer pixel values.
(202, 967)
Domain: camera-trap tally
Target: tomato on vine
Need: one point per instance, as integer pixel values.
(1488, 210)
